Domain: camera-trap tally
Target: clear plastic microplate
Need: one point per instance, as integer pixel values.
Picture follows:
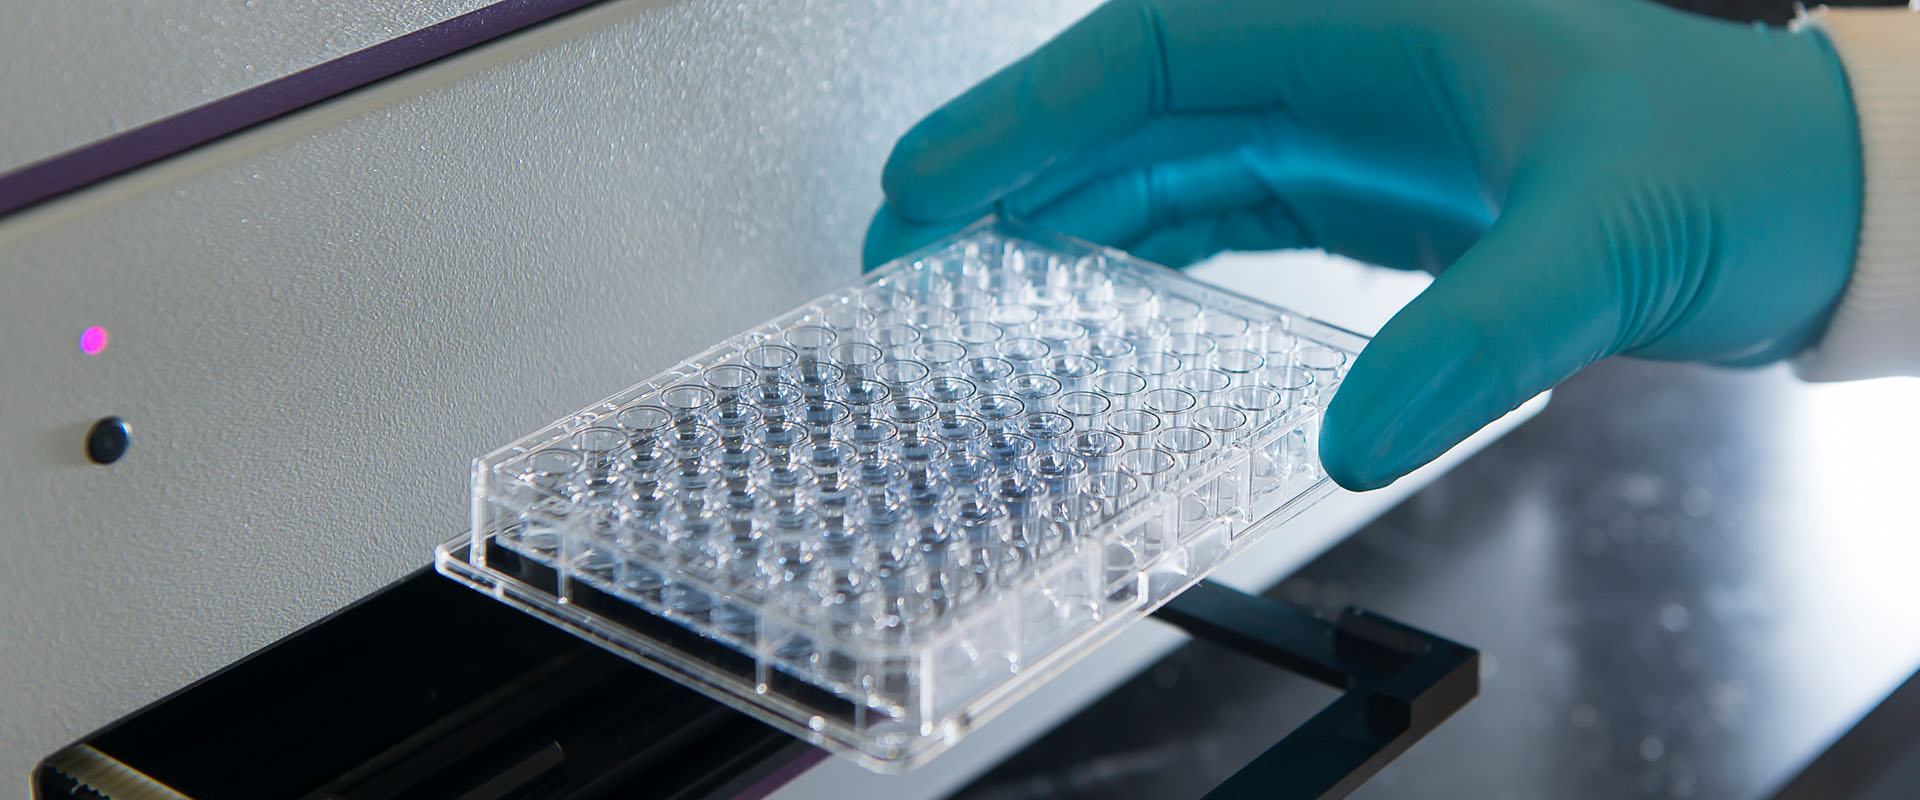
(876, 521)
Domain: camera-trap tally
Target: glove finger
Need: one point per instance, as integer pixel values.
(1522, 310)
(1097, 81)
(1186, 243)
(1200, 208)
(1121, 208)
(1341, 71)
(890, 236)
(1166, 139)
(1173, 137)
(1312, 197)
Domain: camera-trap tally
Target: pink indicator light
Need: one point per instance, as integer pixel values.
(93, 340)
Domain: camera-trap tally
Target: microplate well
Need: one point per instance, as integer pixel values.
(880, 518)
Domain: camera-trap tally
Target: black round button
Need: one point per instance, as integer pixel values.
(108, 440)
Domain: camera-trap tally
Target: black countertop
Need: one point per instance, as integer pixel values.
(1686, 582)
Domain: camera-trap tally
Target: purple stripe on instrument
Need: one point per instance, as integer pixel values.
(123, 152)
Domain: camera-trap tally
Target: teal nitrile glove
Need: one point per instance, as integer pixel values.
(1593, 178)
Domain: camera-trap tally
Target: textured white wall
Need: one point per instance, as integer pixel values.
(80, 70)
(316, 324)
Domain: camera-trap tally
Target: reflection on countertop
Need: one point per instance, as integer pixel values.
(1686, 582)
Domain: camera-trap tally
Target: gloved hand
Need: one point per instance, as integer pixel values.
(1588, 177)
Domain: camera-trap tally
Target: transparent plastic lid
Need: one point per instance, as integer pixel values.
(878, 519)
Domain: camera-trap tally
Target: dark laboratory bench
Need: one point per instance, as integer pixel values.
(1685, 582)
(427, 689)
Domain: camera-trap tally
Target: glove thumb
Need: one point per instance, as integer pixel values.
(1527, 306)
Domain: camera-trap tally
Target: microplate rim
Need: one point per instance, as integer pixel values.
(1028, 675)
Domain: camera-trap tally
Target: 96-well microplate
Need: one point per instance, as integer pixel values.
(875, 521)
